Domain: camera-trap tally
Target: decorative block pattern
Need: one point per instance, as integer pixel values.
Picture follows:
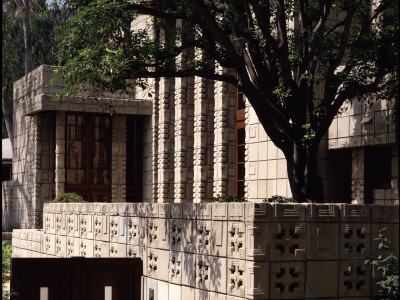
(287, 280)
(354, 279)
(101, 249)
(158, 233)
(257, 280)
(101, 228)
(236, 240)
(322, 241)
(236, 277)
(287, 241)
(137, 233)
(355, 240)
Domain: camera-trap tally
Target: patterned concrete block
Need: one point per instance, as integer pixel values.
(49, 225)
(73, 225)
(182, 237)
(257, 212)
(322, 241)
(61, 224)
(287, 241)
(385, 214)
(157, 263)
(117, 250)
(203, 237)
(236, 277)
(354, 279)
(236, 211)
(220, 211)
(355, 213)
(136, 251)
(203, 272)
(86, 226)
(257, 246)
(49, 244)
(137, 231)
(323, 213)
(257, 280)
(101, 249)
(72, 246)
(86, 248)
(287, 280)
(288, 212)
(175, 267)
(203, 211)
(189, 270)
(355, 240)
(219, 238)
(61, 246)
(101, 228)
(158, 233)
(236, 240)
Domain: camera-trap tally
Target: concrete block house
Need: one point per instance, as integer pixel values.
(148, 166)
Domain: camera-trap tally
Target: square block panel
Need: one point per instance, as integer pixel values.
(49, 244)
(157, 263)
(355, 213)
(49, 224)
(182, 236)
(101, 228)
(236, 211)
(189, 270)
(203, 237)
(158, 233)
(355, 240)
(203, 272)
(287, 241)
(236, 277)
(322, 279)
(117, 250)
(288, 212)
(236, 240)
(323, 213)
(175, 267)
(72, 246)
(219, 238)
(61, 224)
(61, 246)
(137, 231)
(354, 279)
(73, 225)
(257, 280)
(385, 214)
(322, 241)
(86, 226)
(136, 251)
(257, 212)
(257, 246)
(220, 211)
(101, 249)
(86, 248)
(218, 274)
(287, 280)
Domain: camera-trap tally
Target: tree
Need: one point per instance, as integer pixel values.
(27, 42)
(279, 49)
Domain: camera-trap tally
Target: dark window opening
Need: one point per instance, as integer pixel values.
(6, 172)
(240, 144)
(134, 158)
(88, 156)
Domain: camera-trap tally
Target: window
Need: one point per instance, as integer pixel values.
(6, 173)
(88, 156)
(134, 158)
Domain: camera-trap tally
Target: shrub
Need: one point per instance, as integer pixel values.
(229, 198)
(388, 270)
(67, 198)
(280, 199)
(5, 269)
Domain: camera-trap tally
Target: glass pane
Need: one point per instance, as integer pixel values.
(241, 153)
(240, 189)
(241, 136)
(241, 104)
(75, 150)
(241, 171)
(100, 129)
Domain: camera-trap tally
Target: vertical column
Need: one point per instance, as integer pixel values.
(357, 176)
(183, 127)
(203, 139)
(224, 138)
(34, 178)
(165, 140)
(60, 153)
(155, 133)
(118, 160)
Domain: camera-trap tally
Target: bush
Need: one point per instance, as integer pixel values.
(280, 199)
(67, 198)
(5, 269)
(229, 198)
(388, 269)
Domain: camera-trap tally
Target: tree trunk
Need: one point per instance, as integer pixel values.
(27, 39)
(305, 182)
(7, 113)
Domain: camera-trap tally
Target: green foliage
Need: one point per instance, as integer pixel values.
(388, 270)
(229, 198)
(280, 199)
(309, 135)
(6, 251)
(67, 198)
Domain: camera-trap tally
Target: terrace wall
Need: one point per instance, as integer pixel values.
(225, 251)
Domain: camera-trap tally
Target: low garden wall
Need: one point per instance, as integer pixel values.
(225, 250)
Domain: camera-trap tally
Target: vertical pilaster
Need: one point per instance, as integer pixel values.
(183, 129)
(203, 139)
(165, 141)
(224, 138)
(60, 153)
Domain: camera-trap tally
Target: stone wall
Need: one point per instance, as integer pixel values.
(225, 251)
